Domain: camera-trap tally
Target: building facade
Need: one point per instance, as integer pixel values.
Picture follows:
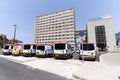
(101, 32)
(55, 27)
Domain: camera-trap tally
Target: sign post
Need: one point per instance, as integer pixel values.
(82, 34)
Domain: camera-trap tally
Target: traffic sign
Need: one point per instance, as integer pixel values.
(81, 33)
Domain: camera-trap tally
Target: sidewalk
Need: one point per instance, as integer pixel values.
(111, 58)
(107, 69)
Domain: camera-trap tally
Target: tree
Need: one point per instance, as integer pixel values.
(1, 43)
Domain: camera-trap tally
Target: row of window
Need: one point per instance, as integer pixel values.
(57, 31)
(100, 40)
(49, 16)
(100, 35)
(55, 18)
(56, 39)
(99, 27)
(56, 26)
(100, 31)
(62, 35)
(56, 22)
(52, 27)
(53, 33)
(52, 42)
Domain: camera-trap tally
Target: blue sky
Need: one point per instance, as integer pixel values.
(23, 12)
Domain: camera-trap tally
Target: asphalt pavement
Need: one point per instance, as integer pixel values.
(14, 71)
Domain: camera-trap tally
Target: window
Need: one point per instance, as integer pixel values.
(59, 46)
(41, 48)
(27, 46)
(6, 47)
(87, 47)
(34, 46)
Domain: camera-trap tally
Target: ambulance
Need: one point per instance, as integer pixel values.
(17, 49)
(7, 49)
(29, 49)
(87, 51)
(62, 50)
(44, 50)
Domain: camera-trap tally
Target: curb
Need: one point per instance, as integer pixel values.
(101, 60)
(11, 59)
(18, 60)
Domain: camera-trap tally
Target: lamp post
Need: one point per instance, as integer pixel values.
(14, 33)
(82, 35)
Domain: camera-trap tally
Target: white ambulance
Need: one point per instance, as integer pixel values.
(87, 51)
(29, 49)
(44, 50)
(7, 49)
(62, 50)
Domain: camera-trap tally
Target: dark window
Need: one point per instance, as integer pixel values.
(87, 47)
(41, 48)
(6, 47)
(11, 47)
(34, 46)
(59, 46)
(27, 46)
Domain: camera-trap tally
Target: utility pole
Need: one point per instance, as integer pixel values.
(82, 34)
(14, 33)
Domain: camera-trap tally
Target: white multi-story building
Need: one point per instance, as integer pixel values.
(55, 27)
(101, 32)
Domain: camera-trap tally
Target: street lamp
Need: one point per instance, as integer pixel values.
(82, 35)
(14, 34)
